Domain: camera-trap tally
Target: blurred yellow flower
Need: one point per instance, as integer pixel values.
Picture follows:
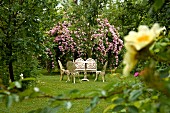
(144, 36)
(129, 59)
(135, 41)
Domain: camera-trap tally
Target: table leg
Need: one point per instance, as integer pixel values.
(85, 77)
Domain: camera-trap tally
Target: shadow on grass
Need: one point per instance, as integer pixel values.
(53, 73)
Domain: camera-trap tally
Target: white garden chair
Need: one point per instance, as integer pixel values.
(63, 71)
(102, 73)
(72, 69)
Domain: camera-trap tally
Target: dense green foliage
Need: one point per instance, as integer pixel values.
(21, 36)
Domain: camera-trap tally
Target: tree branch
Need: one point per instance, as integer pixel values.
(79, 98)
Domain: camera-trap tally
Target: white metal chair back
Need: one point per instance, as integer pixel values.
(72, 69)
(71, 66)
(80, 64)
(105, 66)
(60, 64)
(91, 64)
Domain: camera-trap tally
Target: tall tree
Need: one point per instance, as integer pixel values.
(83, 15)
(21, 23)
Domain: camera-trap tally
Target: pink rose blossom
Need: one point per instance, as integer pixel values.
(136, 74)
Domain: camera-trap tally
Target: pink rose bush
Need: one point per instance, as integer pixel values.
(104, 39)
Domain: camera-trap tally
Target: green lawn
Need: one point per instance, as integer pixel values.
(53, 86)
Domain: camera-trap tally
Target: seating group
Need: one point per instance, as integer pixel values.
(80, 65)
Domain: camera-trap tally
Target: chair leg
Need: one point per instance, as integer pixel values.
(97, 73)
(96, 77)
(61, 75)
(103, 78)
(68, 75)
(74, 79)
(77, 73)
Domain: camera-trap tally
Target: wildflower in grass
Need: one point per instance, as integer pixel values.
(135, 41)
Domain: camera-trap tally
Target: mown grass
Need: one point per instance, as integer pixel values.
(53, 86)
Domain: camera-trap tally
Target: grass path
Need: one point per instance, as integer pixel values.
(53, 86)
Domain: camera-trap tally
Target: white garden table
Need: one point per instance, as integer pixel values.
(89, 65)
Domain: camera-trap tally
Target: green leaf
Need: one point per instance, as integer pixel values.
(132, 109)
(163, 44)
(158, 4)
(135, 94)
(118, 108)
(54, 110)
(25, 79)
(156, 50)
(93, 104)
(17, 84)
(103, 92)
(145, 2)
(164, 72)
(1, 97)
(119, 100)
(34, 94)
(15, 97)
(74, 91)
(108, 108)
(9, 101)
(25, 93)
(46, 110)
(94, 101)
(11, 86)
(88, 110)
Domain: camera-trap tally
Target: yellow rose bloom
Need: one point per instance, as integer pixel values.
(135, 41)
(157, 29)
(129, 59)
(143, 37)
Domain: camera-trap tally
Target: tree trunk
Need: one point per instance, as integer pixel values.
(89, 48)
(11, 74)
(10, 66)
